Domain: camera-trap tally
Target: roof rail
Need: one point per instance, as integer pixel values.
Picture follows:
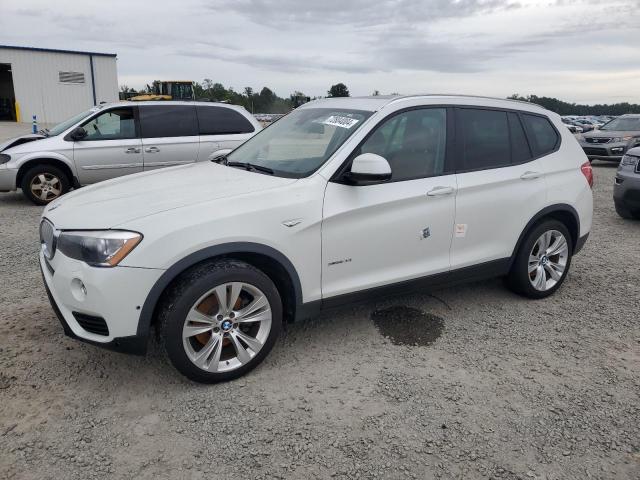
(402, 97)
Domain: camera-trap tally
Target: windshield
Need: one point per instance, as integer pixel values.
(61, 127)
(301, 142)
(630, 124)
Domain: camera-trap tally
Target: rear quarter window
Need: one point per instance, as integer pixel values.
(542, 136)
(221, 120)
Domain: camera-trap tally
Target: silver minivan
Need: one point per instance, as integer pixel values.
(117, 139)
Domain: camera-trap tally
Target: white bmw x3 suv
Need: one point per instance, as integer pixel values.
(339, 201)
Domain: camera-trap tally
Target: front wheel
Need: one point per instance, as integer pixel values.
(44, 183)
(220, 320)
(543, 260)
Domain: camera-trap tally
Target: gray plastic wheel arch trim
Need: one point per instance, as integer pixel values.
(148, 308)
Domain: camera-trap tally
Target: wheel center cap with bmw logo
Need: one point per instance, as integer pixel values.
(226, 325)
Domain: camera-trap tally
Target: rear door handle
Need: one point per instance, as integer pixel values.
(152, 150)
(132, 150)
(437, 191)
(530, 175)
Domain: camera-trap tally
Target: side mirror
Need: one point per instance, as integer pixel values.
(77, 134)
(368, 168)
(220, 154)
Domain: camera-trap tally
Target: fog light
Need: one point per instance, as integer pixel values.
(78, 290)
(617, 150)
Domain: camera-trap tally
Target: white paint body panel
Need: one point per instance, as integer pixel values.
(373, 235)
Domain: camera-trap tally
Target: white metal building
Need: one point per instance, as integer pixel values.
(53, 84)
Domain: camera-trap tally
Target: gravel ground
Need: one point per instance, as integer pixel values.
(490, 385)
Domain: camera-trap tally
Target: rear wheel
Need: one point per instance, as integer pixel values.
(220, 320)
(44, 183)
(542, 263)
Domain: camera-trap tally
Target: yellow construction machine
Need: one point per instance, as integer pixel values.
(167, 90)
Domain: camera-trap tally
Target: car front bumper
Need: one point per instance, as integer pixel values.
(626, 188)
(7, 178)
(111, 296)
(612, 152)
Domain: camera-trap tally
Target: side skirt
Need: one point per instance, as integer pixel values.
(483, 271)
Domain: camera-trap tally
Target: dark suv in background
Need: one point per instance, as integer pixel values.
(626, 191)
(613, 139)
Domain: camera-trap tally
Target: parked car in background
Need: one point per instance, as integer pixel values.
(342, 200)
(573, 128)
(117, 139)
(626, 190)
(613, 139)
(580, 126)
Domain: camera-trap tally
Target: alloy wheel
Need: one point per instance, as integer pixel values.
(46, 186)
(227, 327)
(548, 260)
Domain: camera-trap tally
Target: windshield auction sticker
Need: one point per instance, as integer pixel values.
(339, 121)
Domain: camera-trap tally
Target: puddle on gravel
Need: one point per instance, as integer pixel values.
(408, 326)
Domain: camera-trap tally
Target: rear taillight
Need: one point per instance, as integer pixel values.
(587, 171)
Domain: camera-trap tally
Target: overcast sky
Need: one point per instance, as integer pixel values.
(584, 51)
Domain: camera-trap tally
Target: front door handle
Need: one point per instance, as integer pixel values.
(132, 150)
(152, 150)
(530, 175)
(437, 191)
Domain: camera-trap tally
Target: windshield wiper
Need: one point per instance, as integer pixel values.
(250, 167)
(45, 132)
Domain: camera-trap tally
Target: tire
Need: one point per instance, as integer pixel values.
(531, 284)
(626, 213)
(195, 328)
(54, 181)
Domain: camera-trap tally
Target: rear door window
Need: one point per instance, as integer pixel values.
(168, 121)
(221, 120)
(542, 136)
(520, 151)
(485, 139)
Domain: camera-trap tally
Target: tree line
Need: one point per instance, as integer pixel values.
(267, 101)
(264, 101)
(566, 108)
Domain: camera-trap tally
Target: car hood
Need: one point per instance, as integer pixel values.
(17, 142)
(117, 201)
(609, 133)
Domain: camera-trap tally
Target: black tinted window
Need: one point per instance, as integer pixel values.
(219, 120)
(413, 143)
(168, 121)
(485, 139)
(542, 135)
(519, 147)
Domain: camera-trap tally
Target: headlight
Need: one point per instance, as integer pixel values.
(621, 139)
(628, 160)
(104, 248)
(4, 158)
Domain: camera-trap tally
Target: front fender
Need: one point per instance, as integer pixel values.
(149, 306)
(33, 157)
